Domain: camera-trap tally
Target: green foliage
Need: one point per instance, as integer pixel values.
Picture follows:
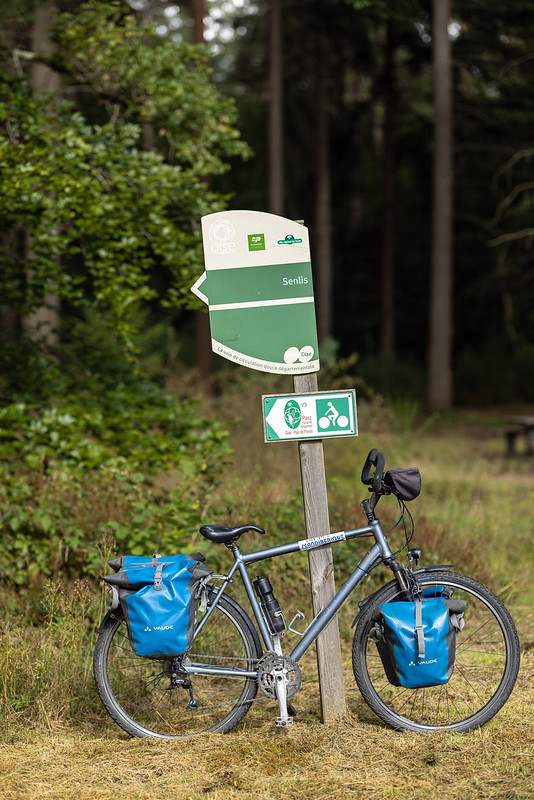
(89, 466)
(100, 210)
(139, 75)
(106, 212)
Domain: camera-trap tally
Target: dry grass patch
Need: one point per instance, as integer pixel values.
(358, 757)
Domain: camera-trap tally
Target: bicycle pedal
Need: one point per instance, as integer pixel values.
(280, 722)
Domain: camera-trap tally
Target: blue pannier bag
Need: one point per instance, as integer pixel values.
(159, 598)
(416, 639)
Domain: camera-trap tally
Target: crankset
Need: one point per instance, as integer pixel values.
(280, 678)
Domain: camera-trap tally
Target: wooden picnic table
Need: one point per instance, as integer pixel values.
(523, 425)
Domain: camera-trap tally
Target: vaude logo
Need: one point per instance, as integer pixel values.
(420, 663)
(158, 628)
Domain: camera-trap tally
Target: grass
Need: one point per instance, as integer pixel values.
(357, 757)
(475, 511)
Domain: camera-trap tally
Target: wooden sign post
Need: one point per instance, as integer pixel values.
(329, 662)
(258, 288)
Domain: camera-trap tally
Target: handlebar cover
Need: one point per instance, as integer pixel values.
(369, 462)
(377, 460)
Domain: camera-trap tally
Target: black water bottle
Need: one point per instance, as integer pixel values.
(269, 605)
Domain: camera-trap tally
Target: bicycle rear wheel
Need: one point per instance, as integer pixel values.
(152, 697)
(487, 663)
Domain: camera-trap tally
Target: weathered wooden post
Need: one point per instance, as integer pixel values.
(312, 469)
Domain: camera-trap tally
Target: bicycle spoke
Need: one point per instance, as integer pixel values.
(158, 697)
(487, 659)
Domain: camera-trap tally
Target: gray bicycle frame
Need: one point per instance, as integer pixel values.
(379, 551)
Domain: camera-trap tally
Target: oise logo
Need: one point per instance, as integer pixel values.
(222, 235)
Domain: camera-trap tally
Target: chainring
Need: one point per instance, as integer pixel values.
(270, 666)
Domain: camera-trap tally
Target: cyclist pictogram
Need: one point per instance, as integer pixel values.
(335, 414)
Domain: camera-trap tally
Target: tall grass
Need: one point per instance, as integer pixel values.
(45, 670)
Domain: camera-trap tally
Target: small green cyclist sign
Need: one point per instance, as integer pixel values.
(315, 416)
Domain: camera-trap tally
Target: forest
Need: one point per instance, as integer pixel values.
(412, 174)
(400, 133)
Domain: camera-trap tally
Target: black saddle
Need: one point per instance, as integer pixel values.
(218, 533)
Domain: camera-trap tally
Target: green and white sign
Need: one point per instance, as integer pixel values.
(258, 286)
(314, 416)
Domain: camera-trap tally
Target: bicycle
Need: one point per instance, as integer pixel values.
(213, 685)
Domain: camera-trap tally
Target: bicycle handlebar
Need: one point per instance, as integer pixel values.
(377, 460)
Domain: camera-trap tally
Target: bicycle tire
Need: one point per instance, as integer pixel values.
(147, 697)
(487, 663)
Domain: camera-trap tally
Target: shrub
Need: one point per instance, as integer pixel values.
(86, 468)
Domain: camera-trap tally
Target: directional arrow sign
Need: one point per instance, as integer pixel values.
(315, 416)
(258, 286)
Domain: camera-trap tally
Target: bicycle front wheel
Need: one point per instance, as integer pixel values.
(486, 667)
(152, 697)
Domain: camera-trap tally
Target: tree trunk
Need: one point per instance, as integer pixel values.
(12, 246)
(440, 342)
(323, 264)
(387, 311)
(43, 324)
(8, 325)
(197, 12)
(203, 353)
(276, 117)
